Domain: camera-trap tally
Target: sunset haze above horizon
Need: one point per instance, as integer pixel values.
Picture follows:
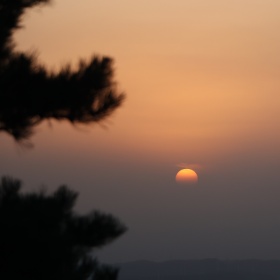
(202, 88)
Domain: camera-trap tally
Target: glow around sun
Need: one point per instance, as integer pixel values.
(186, 176)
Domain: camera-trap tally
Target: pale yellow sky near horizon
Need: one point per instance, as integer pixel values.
(201, 77)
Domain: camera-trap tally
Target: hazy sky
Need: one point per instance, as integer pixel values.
(202, 85)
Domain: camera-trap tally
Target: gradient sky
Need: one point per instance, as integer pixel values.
(202, 85)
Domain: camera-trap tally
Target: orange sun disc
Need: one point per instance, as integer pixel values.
(186, 176)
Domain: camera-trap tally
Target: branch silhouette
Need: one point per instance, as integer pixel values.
(29, 93)
(42, 237)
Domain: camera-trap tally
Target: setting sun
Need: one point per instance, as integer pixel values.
(186, 176)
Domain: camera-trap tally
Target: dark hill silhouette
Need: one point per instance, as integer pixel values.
(207, 269)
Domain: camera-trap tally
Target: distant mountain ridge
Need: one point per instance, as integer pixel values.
(205, 269)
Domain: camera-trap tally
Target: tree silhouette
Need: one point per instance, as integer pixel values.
(41, 237)
(29, 93)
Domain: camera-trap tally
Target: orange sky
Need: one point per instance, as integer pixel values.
(194, 72)
(202, 85)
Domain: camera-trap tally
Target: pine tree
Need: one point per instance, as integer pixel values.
(41, 236)
(29, 93)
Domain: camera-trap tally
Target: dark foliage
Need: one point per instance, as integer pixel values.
(29, 93)
(42, 238)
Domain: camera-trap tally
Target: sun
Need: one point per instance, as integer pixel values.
(186, 176)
